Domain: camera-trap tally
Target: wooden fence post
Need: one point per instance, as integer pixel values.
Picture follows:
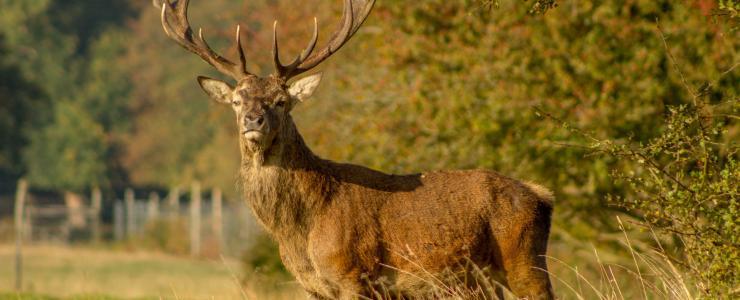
(195, 199)
(20, 199)
(173, 202)
(128, 197)
(118, 221)
(216, 216)
(96, 206)
(152, 210)
(28, 220)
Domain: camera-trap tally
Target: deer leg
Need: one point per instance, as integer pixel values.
(352, 290)
(528, 279)
(499, 292)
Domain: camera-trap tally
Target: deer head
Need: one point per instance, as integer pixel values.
(262, 104)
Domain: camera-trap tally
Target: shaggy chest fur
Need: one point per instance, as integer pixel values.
(285, 202)
(270, 201)
(277, 201)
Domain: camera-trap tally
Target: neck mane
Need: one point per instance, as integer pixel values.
(285, 184)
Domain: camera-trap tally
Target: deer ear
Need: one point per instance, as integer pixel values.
(304, 88)
(218, 90)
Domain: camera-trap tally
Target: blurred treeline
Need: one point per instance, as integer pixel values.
(93, 94)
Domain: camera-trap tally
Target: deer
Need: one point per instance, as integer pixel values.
(346, 231)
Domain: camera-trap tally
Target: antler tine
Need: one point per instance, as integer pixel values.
(286, 69)
(182, 33)
(312, 44)
(279, 67)
(305, 61)
(240, 50)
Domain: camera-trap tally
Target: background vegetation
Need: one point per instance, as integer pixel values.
(616, 115)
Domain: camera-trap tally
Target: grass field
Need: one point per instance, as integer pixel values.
(86, 273)
(55, 272)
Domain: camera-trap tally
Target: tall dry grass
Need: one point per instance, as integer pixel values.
(637, 270)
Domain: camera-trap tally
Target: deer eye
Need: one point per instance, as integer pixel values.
(280, 102)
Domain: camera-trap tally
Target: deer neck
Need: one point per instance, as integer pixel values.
(285, 185)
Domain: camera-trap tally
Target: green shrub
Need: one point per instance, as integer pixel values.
(167, 235)
(685, 182)
(263, 258)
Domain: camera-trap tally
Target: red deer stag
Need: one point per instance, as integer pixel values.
(344, 230)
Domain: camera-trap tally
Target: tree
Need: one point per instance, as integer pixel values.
(61, 38)
(461, 83)
(20, 100)
(68, 154)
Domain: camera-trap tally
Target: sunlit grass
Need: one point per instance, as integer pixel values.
(646, 272)
(588, 272)
(578, 270)
(84, 273)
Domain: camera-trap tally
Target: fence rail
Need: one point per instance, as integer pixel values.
(210, 224)
(227, 227)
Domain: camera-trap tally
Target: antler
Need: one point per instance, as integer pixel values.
(176, 26)
(305, 61)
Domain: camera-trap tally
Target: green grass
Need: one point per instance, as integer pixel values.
(31, 296)
(55, 272)
(52, 272)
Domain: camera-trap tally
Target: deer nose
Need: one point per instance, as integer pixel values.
(254, 123)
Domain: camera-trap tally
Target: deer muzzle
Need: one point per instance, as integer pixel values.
(254, 127)
(254, 123)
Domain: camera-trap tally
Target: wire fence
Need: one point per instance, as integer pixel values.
(198, 223)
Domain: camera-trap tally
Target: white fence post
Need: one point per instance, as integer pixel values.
(20, 199)
(152, 210)
(128, 197)
(173, 202)
(96, 206)
(217, 217)
(118, 221)
(195, 199)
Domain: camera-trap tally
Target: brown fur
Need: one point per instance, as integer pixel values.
(342, 228)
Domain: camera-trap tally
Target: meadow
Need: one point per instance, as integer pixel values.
(105, 272)
(60, 272)
(626, 110)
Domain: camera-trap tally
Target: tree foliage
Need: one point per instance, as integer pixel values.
(76, 95)
(19, 99)
(454, 87)
(67, 154)
(93, 93)
(685, 183)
